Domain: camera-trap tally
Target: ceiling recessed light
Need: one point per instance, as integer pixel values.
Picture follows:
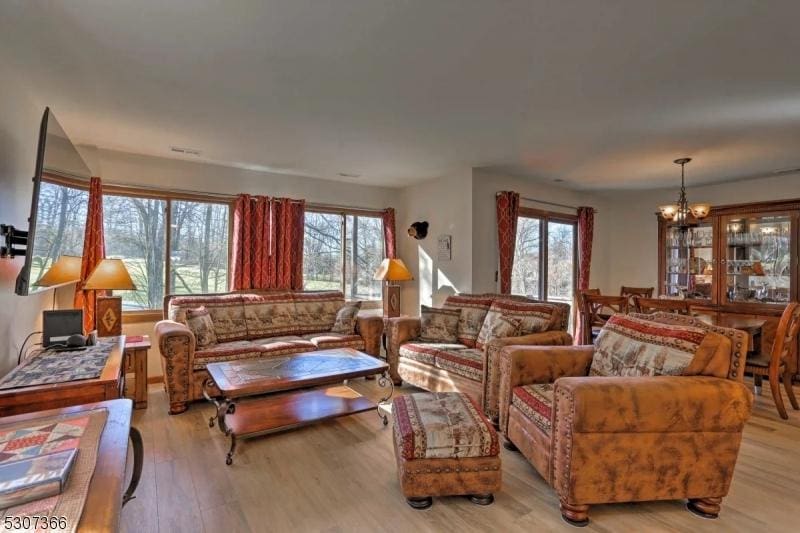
(786, 170)
(348, 175)
(187, 151)
(558, 180)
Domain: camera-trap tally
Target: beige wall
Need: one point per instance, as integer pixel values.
(630, 229)
(446, 204)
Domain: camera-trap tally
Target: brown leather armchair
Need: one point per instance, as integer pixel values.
(622, 439)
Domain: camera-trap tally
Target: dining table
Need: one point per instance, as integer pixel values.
(750, 325)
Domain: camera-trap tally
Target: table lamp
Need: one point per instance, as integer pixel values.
(109, 275)
(390, 272)
(66, 269)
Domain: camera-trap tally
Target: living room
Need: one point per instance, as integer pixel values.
(507, 172)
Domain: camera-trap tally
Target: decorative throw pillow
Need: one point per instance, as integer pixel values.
(199, 321)
(630, 346)
(497, 326)
(439, 325)
(535, 317)
(347, 318)
(473, 312)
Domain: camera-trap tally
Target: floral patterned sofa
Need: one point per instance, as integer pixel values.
(468, 364)
(250, 325)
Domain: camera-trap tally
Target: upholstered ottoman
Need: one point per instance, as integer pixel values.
(444, 446)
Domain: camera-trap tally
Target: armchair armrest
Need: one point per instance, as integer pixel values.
(660, 404)
(400, 330)
(491, 376)
(176, 343)
(524, 365)
(371, 329)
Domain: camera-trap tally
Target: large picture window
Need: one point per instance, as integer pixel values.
(342, 251)
(545, 256)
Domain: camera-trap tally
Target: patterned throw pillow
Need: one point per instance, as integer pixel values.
(473, 312)
(439, 325)
(535, 317)
(347, 318)
(497, 326)
(199, 321)
(630, 346)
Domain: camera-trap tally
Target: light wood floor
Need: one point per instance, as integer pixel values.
(339, 476)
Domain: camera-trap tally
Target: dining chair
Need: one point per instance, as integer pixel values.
(632, 292)
(653, 305)
(775, 364)
(596, 311)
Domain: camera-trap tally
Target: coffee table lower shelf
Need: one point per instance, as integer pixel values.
(279, 412)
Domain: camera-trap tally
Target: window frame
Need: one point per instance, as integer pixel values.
(151, 315)
(546, 217)
(344, 212)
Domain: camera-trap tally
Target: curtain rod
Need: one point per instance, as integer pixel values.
(555, 204)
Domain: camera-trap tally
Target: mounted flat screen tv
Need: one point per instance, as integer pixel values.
(58, 205)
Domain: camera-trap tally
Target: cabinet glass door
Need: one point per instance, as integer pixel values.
(689, 262)
(758, 258)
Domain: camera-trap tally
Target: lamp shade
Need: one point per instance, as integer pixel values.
(66, 269)
(393, 270)
(110, 274)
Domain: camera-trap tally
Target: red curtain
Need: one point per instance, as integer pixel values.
(94, 250)
(585, 236)
(507, 212)
(267, 243)
(389, 239)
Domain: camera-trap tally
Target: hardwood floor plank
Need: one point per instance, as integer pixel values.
(340, 476)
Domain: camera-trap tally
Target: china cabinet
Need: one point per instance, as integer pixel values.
(740, 260)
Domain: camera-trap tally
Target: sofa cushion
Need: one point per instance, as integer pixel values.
(199, 321)
(631, 346)
(473, 312)
(497, 326)
(441, 425)
(564, 309)
(325, 341)
(439, 325)
(238, 350)
(269, 314)
(346, 318)
(466, 363)
(226, 311)
(294, 340)
(536, 402)
(425, 352)
(316, 311)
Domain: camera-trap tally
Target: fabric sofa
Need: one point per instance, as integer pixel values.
(465, 366)
(653, 411)
(251, 325)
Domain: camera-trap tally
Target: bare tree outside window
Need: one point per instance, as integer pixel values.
(525, 272)
(322, 251)
(198, 247)
(560, 261)
(60, 225)
(364, 256)
(134, 232)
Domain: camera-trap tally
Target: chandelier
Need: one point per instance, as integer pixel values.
(680, 212)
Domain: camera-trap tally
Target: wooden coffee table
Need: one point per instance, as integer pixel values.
(290, 391)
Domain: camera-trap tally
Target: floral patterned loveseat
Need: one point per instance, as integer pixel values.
(469, 364)
(250, 325)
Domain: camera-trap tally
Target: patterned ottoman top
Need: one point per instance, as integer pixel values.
(442, 425)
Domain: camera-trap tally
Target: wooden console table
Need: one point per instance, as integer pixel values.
(107, 386)
(105, 498)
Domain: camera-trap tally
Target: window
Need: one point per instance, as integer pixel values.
(342, 251)
(136, 232)
(545, 256)
(60, 221)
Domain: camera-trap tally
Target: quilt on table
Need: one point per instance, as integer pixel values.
(58, 367)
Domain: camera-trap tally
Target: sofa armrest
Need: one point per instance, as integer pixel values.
(371, 330)
(491, 375)
(400, 330)
(524, 365)
(176, 343)
(651, 404)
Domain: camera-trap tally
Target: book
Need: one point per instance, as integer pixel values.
(34, 478)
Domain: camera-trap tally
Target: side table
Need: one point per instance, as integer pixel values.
(136, 348)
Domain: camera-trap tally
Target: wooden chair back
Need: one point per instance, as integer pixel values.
(632, 292)
(597, 309)
(653, 305)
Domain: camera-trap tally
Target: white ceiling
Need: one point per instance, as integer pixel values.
(600, 94)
